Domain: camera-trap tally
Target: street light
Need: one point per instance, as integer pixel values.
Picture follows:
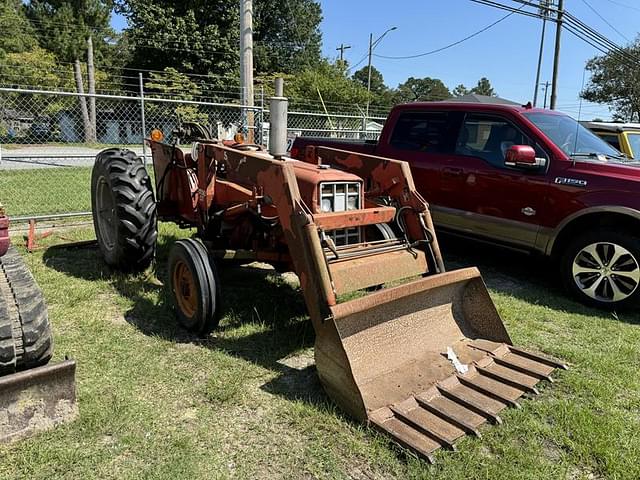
(372, 45)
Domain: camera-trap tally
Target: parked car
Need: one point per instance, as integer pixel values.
(525, 178)
(622, 136)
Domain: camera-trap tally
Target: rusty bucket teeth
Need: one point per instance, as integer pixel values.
(427, 361)
(459, 404)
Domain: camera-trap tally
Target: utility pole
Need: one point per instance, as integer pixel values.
(91, 74)
(372, 45)
(546, 88)
(246, 64)
(544, 12)
(369, 76)
(342, 48)
(556, 56)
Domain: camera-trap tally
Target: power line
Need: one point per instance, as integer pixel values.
(624, 5)
(437, 50)
(605, 20)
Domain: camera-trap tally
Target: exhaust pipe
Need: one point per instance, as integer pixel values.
(278, 106)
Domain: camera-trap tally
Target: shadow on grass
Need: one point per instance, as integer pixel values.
(264, 317)
(531, 278)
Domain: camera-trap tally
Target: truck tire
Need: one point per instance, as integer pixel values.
(195, 285)
(124, 210)
(25, 332)
(602, 269)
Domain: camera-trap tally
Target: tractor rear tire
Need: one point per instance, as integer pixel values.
(25, 333)
(195, 286)
(124, 210)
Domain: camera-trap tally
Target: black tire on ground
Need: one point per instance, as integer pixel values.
(602, 268)
(24, 323)
(124, 210)
(195, 285)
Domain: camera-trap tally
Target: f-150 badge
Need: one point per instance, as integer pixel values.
(571, 181)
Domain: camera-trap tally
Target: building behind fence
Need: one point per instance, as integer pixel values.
(45, 162)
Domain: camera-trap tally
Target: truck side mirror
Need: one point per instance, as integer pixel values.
(523, 156)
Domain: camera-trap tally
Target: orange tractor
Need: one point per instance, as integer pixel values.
(420, 353)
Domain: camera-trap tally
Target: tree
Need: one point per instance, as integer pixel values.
(377, 81)
(381, 95)
(175, 84)
(422, 89)
(484, 88)
(16, 33)
(326, 82)
(286, 35)
(460, 91)
(197, 36)
(200, 36)
(614, 81)
(65, 26)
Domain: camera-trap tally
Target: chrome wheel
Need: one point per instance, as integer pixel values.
(606, 272)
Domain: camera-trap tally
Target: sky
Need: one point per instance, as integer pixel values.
(507, 53)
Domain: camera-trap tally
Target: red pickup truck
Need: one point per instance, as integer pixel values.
(525, 178)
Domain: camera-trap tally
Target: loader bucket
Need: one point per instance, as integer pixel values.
(426, 362)
(37, 399)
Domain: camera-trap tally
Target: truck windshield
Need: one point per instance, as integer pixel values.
(572, 138)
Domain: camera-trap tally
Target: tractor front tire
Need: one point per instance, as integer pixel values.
(124, 210)
(195, 286)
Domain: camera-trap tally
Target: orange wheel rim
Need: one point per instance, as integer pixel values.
(184, 288)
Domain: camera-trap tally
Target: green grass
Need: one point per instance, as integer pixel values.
(46, 190)
(245, 402)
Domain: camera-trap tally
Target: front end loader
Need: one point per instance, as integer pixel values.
(416, 351)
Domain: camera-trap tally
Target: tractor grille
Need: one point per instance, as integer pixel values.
(339, 197)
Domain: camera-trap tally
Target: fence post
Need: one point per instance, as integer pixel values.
(144, 126)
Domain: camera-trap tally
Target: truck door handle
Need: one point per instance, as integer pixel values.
(452, 171)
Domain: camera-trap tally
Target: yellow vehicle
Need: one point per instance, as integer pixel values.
(623, 136)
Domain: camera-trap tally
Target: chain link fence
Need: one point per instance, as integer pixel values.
(48, 143)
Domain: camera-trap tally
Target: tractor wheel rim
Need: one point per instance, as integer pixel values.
(606, 272)
(106, 213)
(184, 287)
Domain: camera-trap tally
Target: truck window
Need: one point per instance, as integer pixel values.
(611, 139)
(421, 131)
(489, 138)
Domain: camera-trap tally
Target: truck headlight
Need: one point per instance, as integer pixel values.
(326, 205)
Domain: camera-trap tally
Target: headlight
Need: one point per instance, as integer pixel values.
(327, 205)
(352, 203)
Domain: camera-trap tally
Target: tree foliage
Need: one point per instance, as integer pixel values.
(484, 88)
(65, 25)
(287, 35)
(16, 32)
(196, 36)
(421, 90)
(200, 36)
(327, 82)
(460, 91)
(614, 81)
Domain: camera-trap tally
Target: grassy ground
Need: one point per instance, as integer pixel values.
(245, 402)
(46, 190)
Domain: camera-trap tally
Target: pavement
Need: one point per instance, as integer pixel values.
(48, 156)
